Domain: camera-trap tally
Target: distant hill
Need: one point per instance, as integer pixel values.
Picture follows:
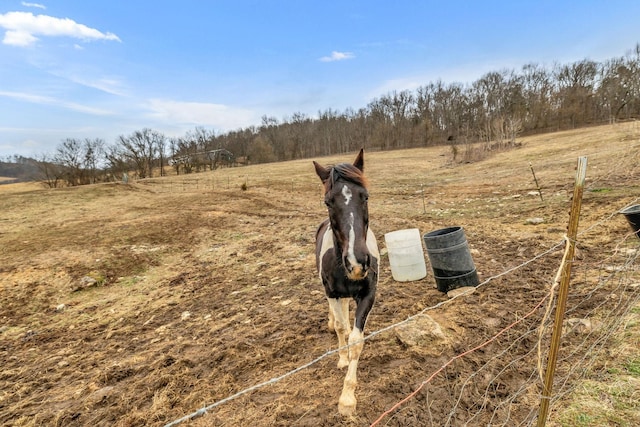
(23, 169)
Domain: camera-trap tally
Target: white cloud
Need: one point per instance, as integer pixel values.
(199, 113)
(86, 76)
(23, 27)
(18, 38)
(108, 85)
(36, 99)
(47, 100)
(337, 56)
(36, 5)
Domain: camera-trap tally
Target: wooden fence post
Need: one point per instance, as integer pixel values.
(572, 233)
(536, 180)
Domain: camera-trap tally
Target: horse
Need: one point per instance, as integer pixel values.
(347, 262)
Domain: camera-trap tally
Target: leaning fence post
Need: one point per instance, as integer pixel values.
(536, 180)
(572, 233)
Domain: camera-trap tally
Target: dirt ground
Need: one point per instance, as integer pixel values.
(131, 305)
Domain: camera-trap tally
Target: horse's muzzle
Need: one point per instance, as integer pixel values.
(358, 271)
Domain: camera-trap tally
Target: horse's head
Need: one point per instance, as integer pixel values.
(346, 198)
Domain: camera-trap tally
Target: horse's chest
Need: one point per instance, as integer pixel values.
(332, 272)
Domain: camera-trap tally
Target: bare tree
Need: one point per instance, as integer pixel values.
(576, 84)
(94, 152)
(401, 107)
(513, 127)
(174, 144)
(141, 148)
(260, 150)
(619, 90)
(424, 113)
(537, 92)
(161, 148)
(51, 172)
(117, 164)
(70, 156)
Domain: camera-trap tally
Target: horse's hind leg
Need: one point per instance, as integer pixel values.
(341, 326)
(332, 318)
(344, 306)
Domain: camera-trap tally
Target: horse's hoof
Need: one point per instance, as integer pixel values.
(347, 409)
(343, 363)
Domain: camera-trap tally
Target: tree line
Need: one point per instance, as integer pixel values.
(492, 110)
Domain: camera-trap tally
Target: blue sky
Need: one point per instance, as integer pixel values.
(99, 69)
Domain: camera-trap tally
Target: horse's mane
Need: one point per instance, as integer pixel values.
(347, 172)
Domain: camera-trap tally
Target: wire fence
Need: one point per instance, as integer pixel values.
(499, 392)
(498, 381)
(504, 389)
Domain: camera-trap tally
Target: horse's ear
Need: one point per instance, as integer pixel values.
(359, 162)
(322, 172)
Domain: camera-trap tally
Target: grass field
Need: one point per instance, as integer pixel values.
(136, 304)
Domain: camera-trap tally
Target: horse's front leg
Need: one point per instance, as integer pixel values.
(347, 402)
(339, 316)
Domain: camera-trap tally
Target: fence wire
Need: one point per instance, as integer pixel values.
(597, 312)
(499, 392)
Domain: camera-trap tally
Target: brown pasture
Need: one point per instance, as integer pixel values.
(203, 289)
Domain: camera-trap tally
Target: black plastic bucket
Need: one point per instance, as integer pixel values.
(632, 213)
(450, 259)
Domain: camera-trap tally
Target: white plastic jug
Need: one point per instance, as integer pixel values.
(406, 256)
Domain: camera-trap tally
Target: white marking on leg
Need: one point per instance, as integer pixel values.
(346, 192)
(341, 326)
(332, 319)
(347, 402)
(344, 305)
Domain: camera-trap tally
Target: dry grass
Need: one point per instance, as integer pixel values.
(203, 289)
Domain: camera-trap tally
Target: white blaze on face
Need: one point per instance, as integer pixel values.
(346, 192)
(351, 256)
